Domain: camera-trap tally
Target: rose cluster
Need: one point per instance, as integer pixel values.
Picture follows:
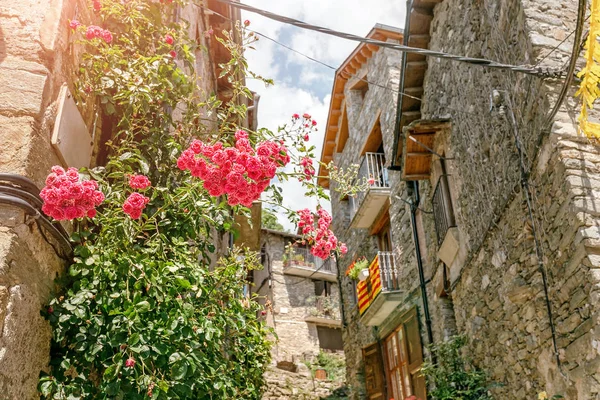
(321, 238)
(136, 202)
(66, 197)
(306, 125)
(240, 172)
(94, 31)
(307, 168)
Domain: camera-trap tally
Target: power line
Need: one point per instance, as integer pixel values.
(547, 72)
(311, 58)
(334, 68)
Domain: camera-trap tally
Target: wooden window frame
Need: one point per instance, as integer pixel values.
(401, 342)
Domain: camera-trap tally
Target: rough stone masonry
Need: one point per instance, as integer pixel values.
(38, 55)
(496, 294)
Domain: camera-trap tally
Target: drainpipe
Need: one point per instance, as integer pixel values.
(414, 204)
(393, 166)
(339, 279)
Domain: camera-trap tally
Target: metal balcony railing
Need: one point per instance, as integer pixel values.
(443, 213)
(371, 168)
(302, 257)
(327, 307)
(388, 271)
(384, 277)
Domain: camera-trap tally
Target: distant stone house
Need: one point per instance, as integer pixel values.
(41, 126)
(301, 298)
(445, 222)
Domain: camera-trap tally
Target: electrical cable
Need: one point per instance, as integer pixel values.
(558, 45)
(567, 82)
(538, 247)
(400, 47)
(311, 58)
(30, 210)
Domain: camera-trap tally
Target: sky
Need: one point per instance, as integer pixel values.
(301, 85)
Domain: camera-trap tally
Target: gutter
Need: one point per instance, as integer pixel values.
(413, 210)
(393, 166)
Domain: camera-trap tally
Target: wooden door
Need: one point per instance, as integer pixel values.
(374, 375)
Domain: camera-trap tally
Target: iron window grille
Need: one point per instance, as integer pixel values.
(443, 213)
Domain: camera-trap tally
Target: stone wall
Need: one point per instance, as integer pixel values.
(291, 298)
(498, 294)
(37, 56)
(496, 297)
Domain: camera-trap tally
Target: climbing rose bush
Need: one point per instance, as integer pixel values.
(152, 307)
(67, 197)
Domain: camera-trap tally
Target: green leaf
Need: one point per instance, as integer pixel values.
(174, 358)
(179, 370)
(46, 388)
(110, 372)
(142, 307)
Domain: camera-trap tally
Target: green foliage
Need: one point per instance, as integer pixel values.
(332, 363)
(359, 265)
(453, 376)
(269, 220)
(144, 312)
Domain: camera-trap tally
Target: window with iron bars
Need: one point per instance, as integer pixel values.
(443, 212)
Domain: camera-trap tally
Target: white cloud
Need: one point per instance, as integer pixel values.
(298, 81)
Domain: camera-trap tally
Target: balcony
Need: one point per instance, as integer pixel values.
(365, 206)
(299, 261)
(325, 311)
(380, 293)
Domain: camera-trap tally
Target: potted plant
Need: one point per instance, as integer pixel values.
(360, 270)
(298, 259)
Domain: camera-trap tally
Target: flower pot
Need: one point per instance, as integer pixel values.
(320, 374)
(363, 275)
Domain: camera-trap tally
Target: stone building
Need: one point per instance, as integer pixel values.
(41, 126)
(464, 233)
(302, 298)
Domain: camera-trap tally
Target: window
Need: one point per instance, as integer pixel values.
(322, 288)
(443, 212)
(330, 338)
(403, 359)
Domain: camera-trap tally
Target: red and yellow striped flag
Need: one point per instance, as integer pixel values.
(370, 287)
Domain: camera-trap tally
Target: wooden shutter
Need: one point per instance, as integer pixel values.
(374, 375)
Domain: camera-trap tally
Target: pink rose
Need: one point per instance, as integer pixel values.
(169, 39)
(129, 363)
(107, 36)
(74, 24)
(139, 182)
